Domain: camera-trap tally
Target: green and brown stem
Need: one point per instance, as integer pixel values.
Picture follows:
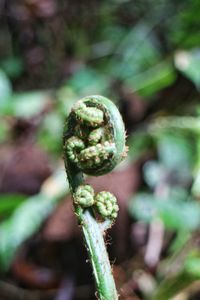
(94, 143)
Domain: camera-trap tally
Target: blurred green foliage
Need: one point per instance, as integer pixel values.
(115, 48)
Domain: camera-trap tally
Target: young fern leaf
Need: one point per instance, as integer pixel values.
(94, 143)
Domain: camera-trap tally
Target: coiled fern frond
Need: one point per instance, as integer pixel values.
(94, 143)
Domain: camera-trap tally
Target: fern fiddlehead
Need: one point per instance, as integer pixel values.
(94, 143)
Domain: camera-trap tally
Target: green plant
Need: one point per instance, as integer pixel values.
(94, 143)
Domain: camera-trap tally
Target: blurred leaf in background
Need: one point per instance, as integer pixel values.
(5, 88)
(175, 213)
(188, 62)
(12, 66)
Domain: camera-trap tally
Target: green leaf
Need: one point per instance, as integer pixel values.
(28, 217)
(12, 66)
(175, 213)
(153, 79)
(139, 143)
(9, 202)
(24, 222)
(138, 51)
(192, 266)
(188, 62)
(138, 62)
(143, 207)
(179, 215)
(26, 105)
(29, 104)
(4, 131)
(176, 152)
(172, 285)
(5, 89)
(186, 126)
(66, 98)
(154, 173)
(196, 185)
(50, 132)
(181, 270)
(88, 81)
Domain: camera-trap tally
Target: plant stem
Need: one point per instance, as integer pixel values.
(98, 255)
(95, 245)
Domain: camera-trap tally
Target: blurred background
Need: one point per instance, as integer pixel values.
(145, 56)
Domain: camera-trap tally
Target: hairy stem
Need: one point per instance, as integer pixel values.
(95, 245)
(98, 256)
